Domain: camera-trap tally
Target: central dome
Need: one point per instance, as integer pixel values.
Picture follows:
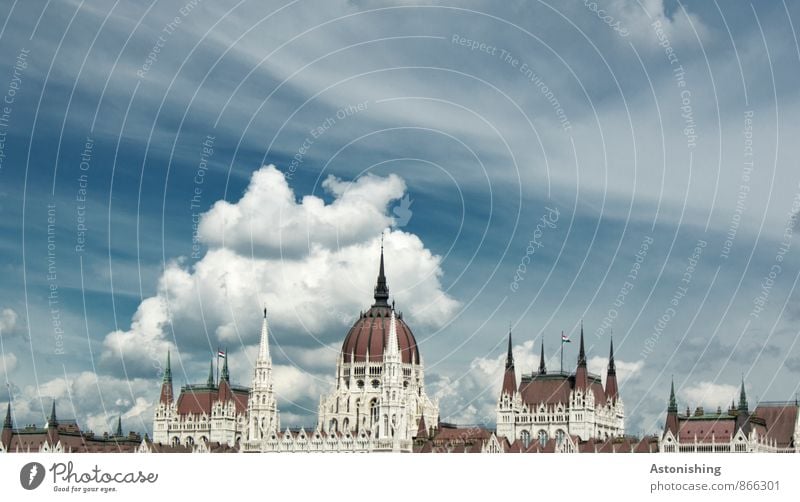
(370, 333)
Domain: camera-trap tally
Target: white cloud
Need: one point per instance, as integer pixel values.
(94, 401)
(268, 219)
(8, 321)
(8, 363)
(625, 370)
(709, 395)
(317, 291)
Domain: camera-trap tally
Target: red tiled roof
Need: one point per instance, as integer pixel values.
(780, 422)
(722, 428)
(199, 400)
(554, 388)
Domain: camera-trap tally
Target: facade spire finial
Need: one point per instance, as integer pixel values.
(743, 407)
(168, 371)
(510, 354)
(118, 432)
(542, 367)
(381, 289)
(225, 374)
(612, 367)
(53, 421)
(263, 349)
(210, 380)
(7, 423)
(582, 351)
(673, 404)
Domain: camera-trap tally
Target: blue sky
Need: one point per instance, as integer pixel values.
(637, 124)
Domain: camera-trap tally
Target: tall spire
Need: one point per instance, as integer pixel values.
(672, 422)
(168, 371)
(612, 390)
(673, 404)
(392, 347)
(52, 421)
(210, 380)
(166, 384)
(225, 375)
(7, 423)
(510, 354)
(612, 367)
(582, 352)
(118, 432)
(510, 375)
(581, 374)
(381, 289)
(743, 407)
(542, 367)
(263, 349)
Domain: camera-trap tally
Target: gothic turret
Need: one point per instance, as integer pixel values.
(166, 384)
(672, 412)
(612, 391)
(52, 426)
(581, 374)
(510, 376)
(542, 367)
(743, 412)
(381, 289)
(8, 426)
(262, 410)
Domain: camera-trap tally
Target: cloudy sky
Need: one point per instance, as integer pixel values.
(168, 168)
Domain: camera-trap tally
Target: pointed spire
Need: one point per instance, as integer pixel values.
(225, 375)
(52, 421)
(263, 349)
(510, 375)
(166, 384)
(7, 423)
(118, 432)
(381, 289)
(422, 430)
(510, 354)
(210, 380)
(168, 371)
(612, 367)
(582, 374)
(743, 407)
(542, 367)
(672, 423)
(582, 351)
(673, 403)
(392, 347)
(612, 390)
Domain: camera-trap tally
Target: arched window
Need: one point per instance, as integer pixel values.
(333, 426)
(543, 437)
(374, 413)
(525, 436)
(559, 437)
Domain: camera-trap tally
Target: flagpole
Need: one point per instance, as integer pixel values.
(217, 358)
(562, 352)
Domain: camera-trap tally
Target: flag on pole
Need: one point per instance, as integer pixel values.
(221, 353)
(565, 338)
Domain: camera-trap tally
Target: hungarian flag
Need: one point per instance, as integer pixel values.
(220, 353)
(565, 338)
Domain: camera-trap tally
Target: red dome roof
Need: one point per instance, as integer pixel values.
(370, 333)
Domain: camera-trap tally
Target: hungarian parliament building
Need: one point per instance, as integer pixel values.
(379, 404)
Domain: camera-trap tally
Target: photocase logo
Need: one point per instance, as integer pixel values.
(31, 475)
(403, 211)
